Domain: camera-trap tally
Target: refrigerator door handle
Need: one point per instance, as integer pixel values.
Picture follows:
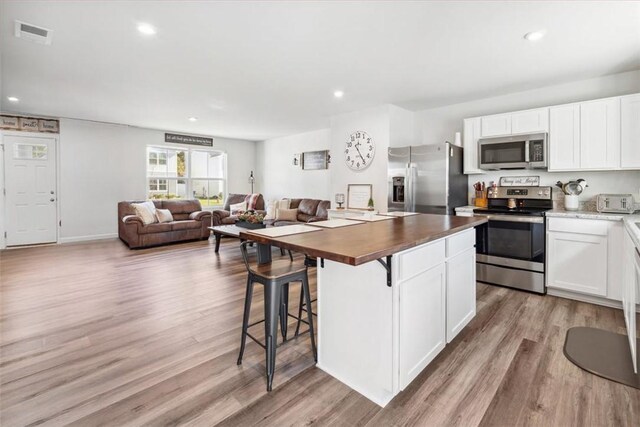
(410, 204)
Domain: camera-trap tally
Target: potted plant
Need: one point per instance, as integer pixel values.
(250, 219)
(370, 204)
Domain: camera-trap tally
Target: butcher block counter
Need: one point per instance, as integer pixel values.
(392, 292)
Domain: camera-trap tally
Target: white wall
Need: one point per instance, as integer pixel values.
(102, 164)
(277, 177)
(376, 122)
(440, 124)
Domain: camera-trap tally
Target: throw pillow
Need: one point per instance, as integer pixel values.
(287, 215)
(164, 215)
(252, 201)
(146, 211)
(238, 208)
(271, 209)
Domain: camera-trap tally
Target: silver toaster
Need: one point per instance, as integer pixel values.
(615, 203)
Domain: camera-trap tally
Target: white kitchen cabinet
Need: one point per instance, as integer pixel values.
(530, 121)
(471, 134)
(496, 125)
(461, 291)
(578, 256)
(600, 134)
(630, 132)
(564, 137)
(422, 321)
(631, 277)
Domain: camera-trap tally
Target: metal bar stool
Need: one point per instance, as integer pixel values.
(302, 305)
(274, 276)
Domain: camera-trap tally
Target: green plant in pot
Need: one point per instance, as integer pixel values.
(250, 219)
(370, 204)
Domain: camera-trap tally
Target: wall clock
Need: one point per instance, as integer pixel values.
(359, 151)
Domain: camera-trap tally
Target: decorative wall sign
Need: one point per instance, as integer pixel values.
(519, 181)
(188, 139)
(358, 196)
(29, 124)
(313, 160)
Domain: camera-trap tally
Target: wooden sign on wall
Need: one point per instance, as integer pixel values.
(188, 139)
(29, 124)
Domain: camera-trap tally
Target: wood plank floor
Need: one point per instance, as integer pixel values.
(95, 334)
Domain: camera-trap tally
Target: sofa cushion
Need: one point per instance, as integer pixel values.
(164, 215)
(230, 220)
(155, 228)
(294, 203)
(146, 211)
(286, 214)
(232, 199)
(182, 206)
(237, 208)
(185, 225)
(304, 217)
(323, 209)
(308, 206)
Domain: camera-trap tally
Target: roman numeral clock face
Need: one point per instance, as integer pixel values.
(359, 151)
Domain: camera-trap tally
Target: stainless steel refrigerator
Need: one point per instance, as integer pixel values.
(427, 179)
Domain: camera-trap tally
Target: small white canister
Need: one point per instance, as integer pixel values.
(571, 202)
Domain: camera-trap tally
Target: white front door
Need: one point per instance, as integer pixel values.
(31, 193)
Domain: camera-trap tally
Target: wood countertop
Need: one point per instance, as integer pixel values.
(359, 244)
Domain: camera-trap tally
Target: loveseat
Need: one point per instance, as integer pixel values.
(190, 222)
(308, 210)
(223, 216)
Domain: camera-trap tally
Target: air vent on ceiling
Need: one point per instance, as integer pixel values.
(33, 33)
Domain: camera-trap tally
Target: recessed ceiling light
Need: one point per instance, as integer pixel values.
(13, 99)
(193, 119)
(146, 29)
(338, 94)
(534, 36)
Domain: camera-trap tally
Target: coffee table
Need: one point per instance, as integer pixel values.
(227, 231)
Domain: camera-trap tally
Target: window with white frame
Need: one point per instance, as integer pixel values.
(184, 173)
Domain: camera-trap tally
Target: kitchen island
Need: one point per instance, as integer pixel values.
(391, 294)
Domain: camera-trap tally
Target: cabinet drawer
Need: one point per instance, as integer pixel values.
(597, 227)
(460, 242)
(422, 258)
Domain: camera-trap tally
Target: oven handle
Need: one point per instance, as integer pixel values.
(512, 218)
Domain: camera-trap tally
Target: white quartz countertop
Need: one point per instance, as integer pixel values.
(561, 213)
(467, 208)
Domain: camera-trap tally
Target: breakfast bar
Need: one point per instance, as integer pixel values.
(391, 294)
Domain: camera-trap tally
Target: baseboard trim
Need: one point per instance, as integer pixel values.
(87, 238)
(587, 298)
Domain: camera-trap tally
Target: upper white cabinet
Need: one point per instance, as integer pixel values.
(564, 137)
(471, 134)
(600, 134)
(630, 132)
(530, 121)
(496, 125)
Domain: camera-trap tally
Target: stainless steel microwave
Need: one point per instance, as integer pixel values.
(513, 152)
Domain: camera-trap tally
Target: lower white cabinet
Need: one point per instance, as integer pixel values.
(631, 289)
(422, 321)
(578, 262)
(461, 291)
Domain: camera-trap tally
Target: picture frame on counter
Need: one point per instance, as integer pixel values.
(358, 196)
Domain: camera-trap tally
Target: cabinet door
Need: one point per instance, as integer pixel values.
(530, 121)
(422, 322)
(630, 132)
(461, 292)
(577, 262)
(564, 137)
(470, 145)
(600, 134)
(496, 125)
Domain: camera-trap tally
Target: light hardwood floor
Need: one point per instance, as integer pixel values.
(96, 334)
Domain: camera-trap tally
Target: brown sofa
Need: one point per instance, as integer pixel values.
(224, 217)
(309, 210)
(190, 222)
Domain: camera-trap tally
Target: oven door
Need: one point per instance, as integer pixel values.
(511, 251)
(509, 154)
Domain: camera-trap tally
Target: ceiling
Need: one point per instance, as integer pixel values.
(255, 70)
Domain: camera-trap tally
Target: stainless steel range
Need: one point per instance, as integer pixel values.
(510, 247)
